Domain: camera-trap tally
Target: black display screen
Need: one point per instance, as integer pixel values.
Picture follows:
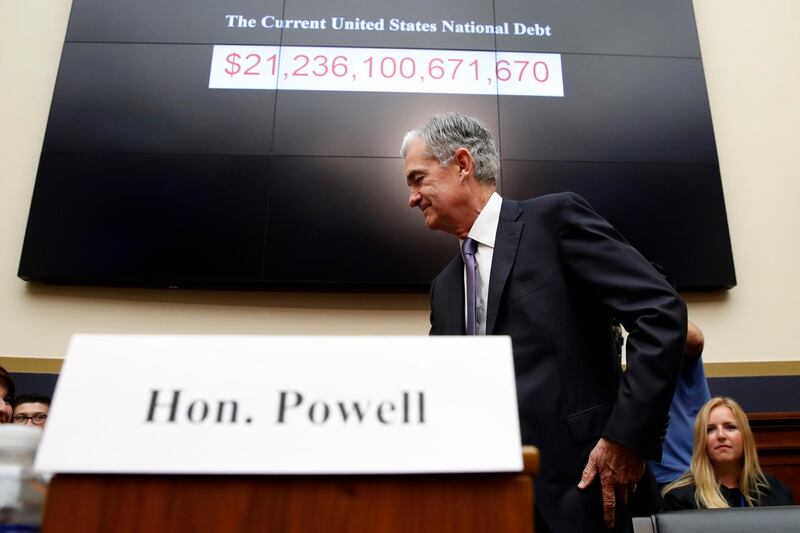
(256, 144)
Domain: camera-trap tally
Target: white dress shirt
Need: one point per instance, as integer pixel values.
(484, 231)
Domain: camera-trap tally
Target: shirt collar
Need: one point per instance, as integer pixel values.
(484, 229)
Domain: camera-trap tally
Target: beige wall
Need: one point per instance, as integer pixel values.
(751, 51)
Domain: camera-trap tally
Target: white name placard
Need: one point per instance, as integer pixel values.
(283, 405)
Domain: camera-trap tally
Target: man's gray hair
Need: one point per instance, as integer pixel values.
(445, 133)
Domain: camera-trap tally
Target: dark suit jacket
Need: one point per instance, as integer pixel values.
(560, 272)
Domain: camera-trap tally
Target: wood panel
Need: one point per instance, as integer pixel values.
(292, 504)
(778, 442)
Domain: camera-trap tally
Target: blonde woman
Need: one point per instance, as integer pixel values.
(724, 470)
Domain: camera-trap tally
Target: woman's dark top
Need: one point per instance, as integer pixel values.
(776, 494)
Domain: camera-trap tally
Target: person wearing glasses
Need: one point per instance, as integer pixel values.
(31, 409)
(6, 396)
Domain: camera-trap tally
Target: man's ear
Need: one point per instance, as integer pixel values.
(463, 159)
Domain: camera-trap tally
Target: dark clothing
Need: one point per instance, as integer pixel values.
(559, 274)
(777, 494)
(646, 499)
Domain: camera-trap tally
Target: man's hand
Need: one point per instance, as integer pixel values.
(619, 469)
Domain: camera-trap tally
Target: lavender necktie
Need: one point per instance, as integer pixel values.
(468, 249)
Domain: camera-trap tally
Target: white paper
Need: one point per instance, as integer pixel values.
(250, 404)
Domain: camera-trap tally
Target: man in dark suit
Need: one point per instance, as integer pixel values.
(551, 274)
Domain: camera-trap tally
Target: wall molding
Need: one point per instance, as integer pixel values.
(33, 365)
(52, 365)
(752, 369)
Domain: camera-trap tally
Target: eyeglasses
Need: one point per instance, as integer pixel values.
(37, 419)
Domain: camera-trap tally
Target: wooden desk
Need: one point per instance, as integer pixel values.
(463, 503)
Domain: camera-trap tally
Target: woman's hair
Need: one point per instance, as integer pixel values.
(7, 380)
(701, 472)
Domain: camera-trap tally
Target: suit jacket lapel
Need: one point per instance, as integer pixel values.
(505, 250)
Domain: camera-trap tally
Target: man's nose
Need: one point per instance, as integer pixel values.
(413, 198)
